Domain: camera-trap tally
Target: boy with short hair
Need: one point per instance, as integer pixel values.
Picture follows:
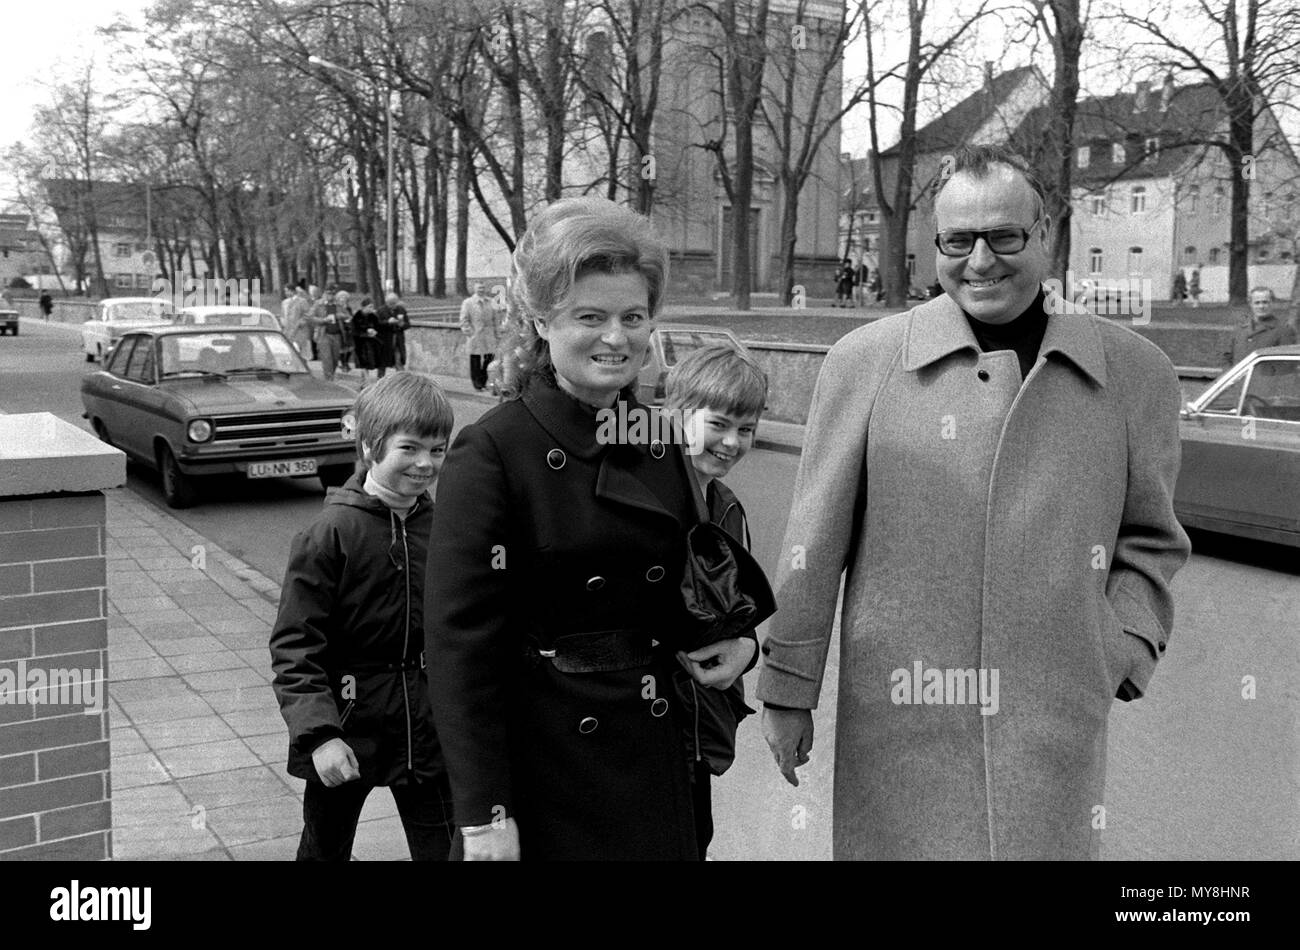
(347, 647)
(719, 394)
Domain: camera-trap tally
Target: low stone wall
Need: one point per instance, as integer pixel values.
(792, 368)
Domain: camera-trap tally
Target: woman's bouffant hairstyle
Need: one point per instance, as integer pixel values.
(718, 377)
(400, 402)
(568, 240)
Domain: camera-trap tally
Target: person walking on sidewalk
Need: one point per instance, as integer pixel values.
(400, 321)
(343, 314)
(347, 648)
(329, 338)
(46, 304)
(479, 321)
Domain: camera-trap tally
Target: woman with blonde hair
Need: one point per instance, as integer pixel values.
(555, 560)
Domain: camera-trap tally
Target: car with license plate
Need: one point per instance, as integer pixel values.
(228, 317)
(8, 321)
(194, 401)
(1240, 438)
(118, 315)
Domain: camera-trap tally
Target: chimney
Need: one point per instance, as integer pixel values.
(1167, 92)
(1140, 97)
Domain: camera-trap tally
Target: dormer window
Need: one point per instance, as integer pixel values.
(1138, 196)
(1151, 149)
(1084, 156)
(1117, 153)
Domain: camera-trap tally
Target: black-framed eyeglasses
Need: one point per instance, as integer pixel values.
(961, 243)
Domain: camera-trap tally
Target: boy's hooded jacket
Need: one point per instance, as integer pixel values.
(347, 648)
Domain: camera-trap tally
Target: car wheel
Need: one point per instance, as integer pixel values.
(178, 488)
(332, 476)
(101, 432)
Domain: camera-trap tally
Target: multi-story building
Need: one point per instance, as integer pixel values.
(859, 212)
(21, 254)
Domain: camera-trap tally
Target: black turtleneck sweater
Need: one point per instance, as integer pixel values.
(1024, 334)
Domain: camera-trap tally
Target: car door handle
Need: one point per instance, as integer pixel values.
(116, 386)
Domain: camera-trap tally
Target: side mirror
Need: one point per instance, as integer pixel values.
(1188, 411)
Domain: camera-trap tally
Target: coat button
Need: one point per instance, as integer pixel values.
(659, 707)
(655, 574)
(588, 725)
(595, 583)
(983, 375)
(555, 459)
(657, 449)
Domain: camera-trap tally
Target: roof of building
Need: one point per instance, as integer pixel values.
(953, 127)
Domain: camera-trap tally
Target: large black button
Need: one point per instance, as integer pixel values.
(655, 574)
(588, 725)
(983, 375)
(659, 707)
(595, 583)
(657, 449)
(555, 458)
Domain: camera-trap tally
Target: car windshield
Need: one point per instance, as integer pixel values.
(142, 311)
(246, 318)
(225, 354)
(678, 344)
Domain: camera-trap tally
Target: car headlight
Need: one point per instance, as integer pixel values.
(200, 430)
(348, 426)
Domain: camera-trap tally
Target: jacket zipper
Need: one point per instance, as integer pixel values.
(696, 697)
(347, 711)
(406, 640)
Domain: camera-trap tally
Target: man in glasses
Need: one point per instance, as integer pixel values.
(995, 471)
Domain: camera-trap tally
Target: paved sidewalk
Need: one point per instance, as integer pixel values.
(198, 746)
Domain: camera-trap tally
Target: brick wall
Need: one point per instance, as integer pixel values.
(54, 757)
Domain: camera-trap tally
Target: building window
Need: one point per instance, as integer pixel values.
(1094, 260)
(122, 249)
(1218, 200)
(911, 266)
(1135, 260)
(1139, 199)
(1189, 253)
(1151, 149)
(1262, 254)
(345, 259)
(1214, 255)
(1193, 197)
(124, 281)
(142, 282)
(1098, 202)
(1117, 153)
(1084, 156)
(866, 243)
(871, 217)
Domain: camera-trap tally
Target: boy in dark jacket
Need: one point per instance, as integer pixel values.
(720, 393)
(347, 648)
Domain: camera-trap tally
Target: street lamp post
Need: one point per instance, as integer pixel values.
(390, 283)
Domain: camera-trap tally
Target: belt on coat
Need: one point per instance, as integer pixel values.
(381, 666)
(596, 652)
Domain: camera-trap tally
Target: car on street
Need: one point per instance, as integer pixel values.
(228, 317)
(193, 401)
(9, 321)
(1240, 473)
(118, 315)
(669, 344)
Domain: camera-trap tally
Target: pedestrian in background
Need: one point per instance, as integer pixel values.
(861, 280)
(329, 339)
(297, 325)
(401, 322)
(844, 284)
(1194, 286)
(347, 647)
(1179, 292)
(1263, 327)
(480, 321)
(343, 313)
(46, 304)
(365, 330)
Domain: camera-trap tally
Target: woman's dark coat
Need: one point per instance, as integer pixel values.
(350, 608)
(542, 533)
(367, 347)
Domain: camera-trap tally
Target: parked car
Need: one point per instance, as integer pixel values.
(194, 401)
(118, 315)
(228, 317)
(9, 321)
(669, 343)
(1241, 450)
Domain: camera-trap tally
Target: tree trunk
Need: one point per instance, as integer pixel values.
(464, 159)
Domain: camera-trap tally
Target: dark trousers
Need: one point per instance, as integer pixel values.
(702, 799)
(399, 349)
(478, 364)
(330, 818)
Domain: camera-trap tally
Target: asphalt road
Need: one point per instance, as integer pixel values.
(1196, 770)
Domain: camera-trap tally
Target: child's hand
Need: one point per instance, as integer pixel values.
(719, 664)
(335, 763)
